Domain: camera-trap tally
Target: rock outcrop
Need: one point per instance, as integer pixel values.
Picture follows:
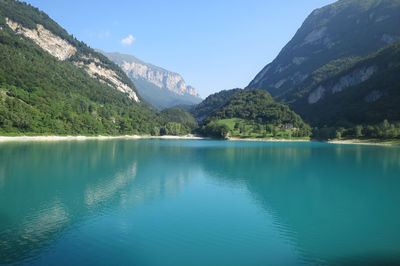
(63, 50)
(365, 91)
(108, 77)
(160, 87)
(356, 77)
(159, 77)
(49, 42)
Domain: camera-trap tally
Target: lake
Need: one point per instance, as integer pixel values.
(198, 202)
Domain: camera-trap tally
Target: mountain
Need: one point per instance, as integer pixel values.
(340, 71)
(254, 113)
(159, 87)
(346, 28)
(212, 103)
(27, 21)
(366, 91)
(51, 83)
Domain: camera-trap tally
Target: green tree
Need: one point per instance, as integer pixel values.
(358, 131)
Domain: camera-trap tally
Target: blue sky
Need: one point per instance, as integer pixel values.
(213, 44)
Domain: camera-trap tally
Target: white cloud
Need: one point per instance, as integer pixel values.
(128, 40)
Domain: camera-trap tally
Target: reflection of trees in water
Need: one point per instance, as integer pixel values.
(258, 167)
(311, 190)
(48, 187)
(321, 195)
(108, 188)
(244, 163)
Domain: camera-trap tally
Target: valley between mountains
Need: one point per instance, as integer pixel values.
(338, 78)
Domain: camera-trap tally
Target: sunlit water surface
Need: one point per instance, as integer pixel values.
(165, 202)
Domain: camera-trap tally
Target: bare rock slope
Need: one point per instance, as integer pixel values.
(160, 87)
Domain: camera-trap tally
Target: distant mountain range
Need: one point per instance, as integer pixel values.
(159, 87)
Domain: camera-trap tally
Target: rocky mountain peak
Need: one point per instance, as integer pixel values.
(158, 76)
(160, 87)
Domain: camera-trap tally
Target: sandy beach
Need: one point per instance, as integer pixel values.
(81, 138)
(347, 142)
(363, 142)
(269, 140)
(186, 137)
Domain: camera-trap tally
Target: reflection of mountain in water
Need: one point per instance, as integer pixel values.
(322, 196)
(70, 182)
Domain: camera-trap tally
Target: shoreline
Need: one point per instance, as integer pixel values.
(82, 138)
(186, 137)
(363, 142)
(269, 140)
(344, 142)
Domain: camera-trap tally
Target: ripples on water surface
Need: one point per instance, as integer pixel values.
(165, 202)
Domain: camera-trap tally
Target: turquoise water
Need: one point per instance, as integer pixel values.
(165, 202)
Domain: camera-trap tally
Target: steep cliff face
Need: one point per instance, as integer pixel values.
(106, 76)
(159, 77)
(64, 50)
(49, 42)
(343, 29)
(158, 86)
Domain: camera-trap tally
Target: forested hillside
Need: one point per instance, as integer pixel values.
(253, 113)
(213, 102)
(365, 91)
(340, 71)
(180, 122)
(359, 101)
(51, 83)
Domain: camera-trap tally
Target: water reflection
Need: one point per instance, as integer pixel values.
(328, 201)
(332, 204)
(52, 187)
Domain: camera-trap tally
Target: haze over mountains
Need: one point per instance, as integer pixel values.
(160, 87)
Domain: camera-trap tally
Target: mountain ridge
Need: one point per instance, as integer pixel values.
(342, 29)
(33, 24)
(160, 87)
(53, 84)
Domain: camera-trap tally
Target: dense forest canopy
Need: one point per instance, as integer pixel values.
(255, 110)
(213, 102)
